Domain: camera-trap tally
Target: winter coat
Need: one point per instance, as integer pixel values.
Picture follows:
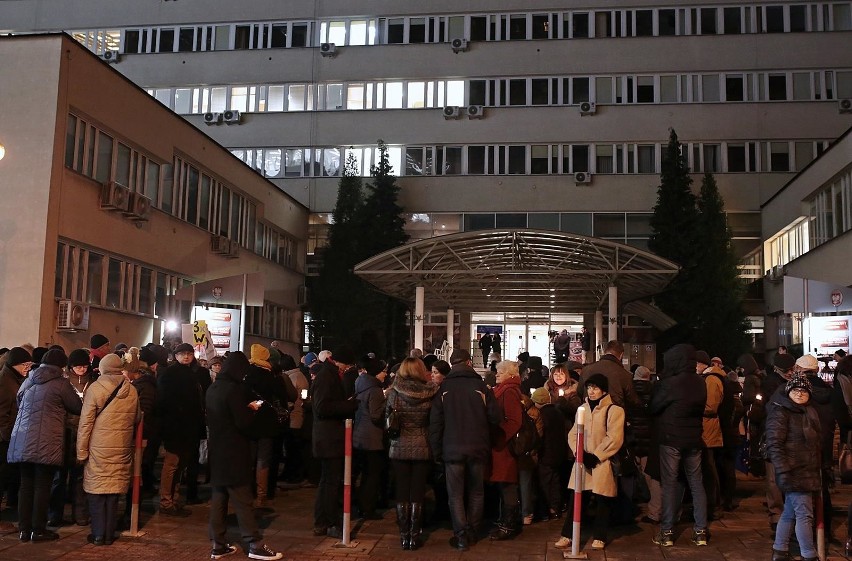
(349, 377)
(842, 411)
(821, 403)
(229, 419)
(678, 400)
(105, 435)
(604, 435)
(620, 381)
(536, 377)
(146, 389)
(368, 431)
(793, 444)
(711, 430)
(463, 411)
(300, 382)
(44, 398)
(181, 411)
(504, 466)
(330, 407)
(639, 420)
(495, 344)
(412, 400)
(554, 444)
(10, 383)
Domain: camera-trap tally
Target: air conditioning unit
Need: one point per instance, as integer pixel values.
(582, 178)
(139, 209)
(220, 245)
(328, 49)
(452, 112)
(475, 112)
(845, 105)
(212, 118)
(73, 316)
(301, 295)
(231, 117)
(459, 45)
(115, 196)
(110, 56)
(588, 108)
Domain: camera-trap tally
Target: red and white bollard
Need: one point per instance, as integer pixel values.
(579, 481)
(134, 532)
(347, 489)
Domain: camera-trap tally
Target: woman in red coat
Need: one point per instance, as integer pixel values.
(504, 466)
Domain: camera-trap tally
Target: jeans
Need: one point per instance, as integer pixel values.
(241, 499)
(68, 481)
(798, 512)
(103, 509)
(327, 510)
(670, 461)
(34, 496)
(526, 477)
(465, 476)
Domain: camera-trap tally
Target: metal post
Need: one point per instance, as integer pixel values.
(579, 481)
(451, 320)
(612, 334)
(134, 532)
(347, 489)
(419, 301)
(243, 314)
(820, 526)
(598, 349)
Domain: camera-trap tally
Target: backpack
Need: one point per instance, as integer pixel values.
(527, 440)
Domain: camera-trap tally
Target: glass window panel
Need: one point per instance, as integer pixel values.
(152, 180)
(708, 21)
(122, 165)
(779, 156)
(777, 87)
(517, 92)
(476, 159)
(293, 162)
(774, 19)
(645, 89)
(603, 89)
(455, 93)
(511, 220)
(104, 159)
(191, 209)
(609, 225)
(844, 85)
(396, 29)
(113, 299)
(576, 223)
(358, 32)
(804, 154)
(185, 39)
(842, 16)
(543, 220)
(453, 160)
(736, 158)
(603, 160)
(539, 159)
(275, 98)
(710, 87)
(331, 162)
(414, 160)
(417, 30)
(416, 95)
(337, 32)
(733, 21)
(539, 91)
(239, 97)
(667, 22)
(218, 98)
(278, 37)
(517, 159)
(734, 88)
(299, 35)
(94, 278)
(668, 89)
(802, 85)
(146, 277)
(334, 96)
(167, 41)
(393, 95)
(638, 224)
(580, 155)
(296, 98)
(647, 159)
(474, 222)
(712, 158)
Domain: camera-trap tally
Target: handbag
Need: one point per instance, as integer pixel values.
(844, 463)
(393, 424)
(623, 462)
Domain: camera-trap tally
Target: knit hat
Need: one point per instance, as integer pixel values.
(78, 357)
(784, 362)
(373, 366)
(121, 347)
(260, 356)
(541, 396)
(524, 356)
(702, 357)
(97, 341)
(458, 356)
(598, 380)
(324, 355)
(799, 381)
(111, 364)
(184, 348)
(309, 359)
(38, 354)
(17, 355)
(152, 354)
(642, 373)
(343, 354)
(55, 358)
(216, 360)
(808, 363)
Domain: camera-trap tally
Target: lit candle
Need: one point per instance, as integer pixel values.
(581, 415)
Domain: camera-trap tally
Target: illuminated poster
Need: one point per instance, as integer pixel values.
(223, 325)
(827, 334)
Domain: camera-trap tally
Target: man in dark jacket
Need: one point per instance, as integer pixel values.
(678, 401)
(181, 413)
(230, 411)
(463, 411)
(783, 366)
(330, 407)
(535, 377)
(620, 380)
(12, 375)
(485, 347)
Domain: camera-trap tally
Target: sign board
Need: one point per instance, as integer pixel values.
(827, 334)
(223, 326)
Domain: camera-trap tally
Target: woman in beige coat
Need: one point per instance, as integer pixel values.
(105, 444)
(604, 435)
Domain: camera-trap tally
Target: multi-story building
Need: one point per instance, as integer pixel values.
(113, 208)
(527, 114)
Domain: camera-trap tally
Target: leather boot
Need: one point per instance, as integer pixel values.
(508, 527)
(780, 555)
(403, 520)
(415, 530)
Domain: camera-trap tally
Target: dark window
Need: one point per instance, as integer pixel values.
(417, 31)
(736, 158)
(241, 37)
(708, 21)
(517, 92)
(279, 36)
(576, 223)
(580, 89)
(645, 91)
(512, 220)
(396, 28)
(478, 27)
(540, 26)
(797, 18)
(131, 41)
(543, 221)
(167, 41)
(734, 88)
(539, 159)
(580, 155)
(300, 35)
(667, 22)
(644, 23)
(185, 39)
(478, 222)
(414, 160)
(775, 19)
(580, 24)
(517, 160)
(476, 159)
(477, 92)
(539, 91)
(609, 225)
(638, 224)
(778, 87)
(114, 284)
(733, 24)
(517, 27)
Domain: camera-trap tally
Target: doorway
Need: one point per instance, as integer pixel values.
(532, 338)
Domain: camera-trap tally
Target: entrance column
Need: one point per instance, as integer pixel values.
(598, 350)
(451, 319)
(613, 313)
(419, 297)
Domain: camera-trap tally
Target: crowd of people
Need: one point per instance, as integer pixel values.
(501, 447)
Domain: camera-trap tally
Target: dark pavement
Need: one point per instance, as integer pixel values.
(742, 535)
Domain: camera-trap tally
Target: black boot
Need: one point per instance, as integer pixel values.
(508, 527)
(415, 529)
(403, 520)
(780, 555)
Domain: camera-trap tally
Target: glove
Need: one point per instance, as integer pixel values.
(590, 460)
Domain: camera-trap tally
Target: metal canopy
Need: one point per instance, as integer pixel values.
(517, 270)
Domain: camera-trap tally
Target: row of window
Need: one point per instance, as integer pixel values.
(534, 159)
(829, 216)
(181, 189)
(805, 85)
(632, 228)
(113, 282)
(575, 24)
(273, 322)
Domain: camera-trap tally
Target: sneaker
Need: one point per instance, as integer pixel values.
(562, 543)
(665, 538)
(598, 544)
(222, 551)
(528, 519)
(261, 551)
(699, 537)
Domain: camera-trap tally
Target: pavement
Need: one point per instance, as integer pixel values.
(741, 535)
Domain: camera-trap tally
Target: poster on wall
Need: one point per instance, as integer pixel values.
(828, 334)
(223, 325)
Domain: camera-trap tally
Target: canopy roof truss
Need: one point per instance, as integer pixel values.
(521, 270)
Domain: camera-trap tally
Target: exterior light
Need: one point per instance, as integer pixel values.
(2, 151)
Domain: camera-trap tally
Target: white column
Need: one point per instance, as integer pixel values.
(419, 297)
(613, 314)
(451, 319)
(598, 349)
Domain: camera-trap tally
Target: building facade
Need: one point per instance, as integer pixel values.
(112, 203)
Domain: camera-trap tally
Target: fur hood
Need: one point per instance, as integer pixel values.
(414, 391)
